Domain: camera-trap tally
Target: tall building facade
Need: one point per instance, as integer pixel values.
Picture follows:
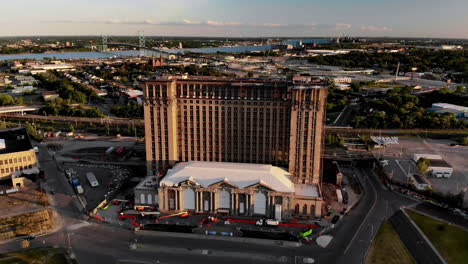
(263, 121)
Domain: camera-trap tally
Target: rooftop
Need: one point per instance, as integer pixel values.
(299, 83)
(150, 182)
(450, 106)
(14, 140)
(439, 163)
(241, 175)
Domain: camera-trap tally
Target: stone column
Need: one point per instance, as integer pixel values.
(217, 200)
(182, 199)
(197, 202)
(247, 204)
(231, 209)
(270, 206)
(211, 202)
(166, 199)
(250, 203)
(180, 202)
(202, 203)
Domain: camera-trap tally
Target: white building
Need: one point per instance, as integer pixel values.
(237, 189)
(438, 167)
(342, 79)
(420, 182)
(146, 192)
(458, 110)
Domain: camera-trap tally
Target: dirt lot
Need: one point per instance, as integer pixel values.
(23, 201)
(25, 224)
(37, 256)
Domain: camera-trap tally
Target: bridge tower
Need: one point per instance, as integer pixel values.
(104, 47)
(142, 43)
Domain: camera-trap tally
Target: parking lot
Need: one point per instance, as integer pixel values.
(399, 163)
(110, 178)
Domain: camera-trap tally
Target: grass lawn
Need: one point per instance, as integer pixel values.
(451, 241)
(37, 256)
(387, 248)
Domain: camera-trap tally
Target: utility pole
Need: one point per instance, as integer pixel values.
(397, 71)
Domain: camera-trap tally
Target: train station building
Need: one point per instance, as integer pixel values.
(243, 145)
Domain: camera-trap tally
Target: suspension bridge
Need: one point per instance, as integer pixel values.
(143, 45)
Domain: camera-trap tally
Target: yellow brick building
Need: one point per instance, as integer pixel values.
(16, 152)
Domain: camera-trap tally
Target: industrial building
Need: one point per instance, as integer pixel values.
(459, 111)
(16, 152)
(278, 122)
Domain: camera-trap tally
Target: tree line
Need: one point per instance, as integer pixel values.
(455, 63)
(399, 108)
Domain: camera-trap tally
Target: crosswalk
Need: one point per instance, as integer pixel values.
(385, 140)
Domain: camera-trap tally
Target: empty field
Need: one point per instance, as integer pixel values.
(26, 200)
(37, 256)
(451, 241)
(387, 248)
(25, 224)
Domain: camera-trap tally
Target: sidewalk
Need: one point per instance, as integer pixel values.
(265, 242)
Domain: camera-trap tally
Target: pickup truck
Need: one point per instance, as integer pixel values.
(268, 222)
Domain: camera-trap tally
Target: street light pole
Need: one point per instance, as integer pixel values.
(69, 242)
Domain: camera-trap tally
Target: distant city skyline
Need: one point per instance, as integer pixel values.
(237, 18)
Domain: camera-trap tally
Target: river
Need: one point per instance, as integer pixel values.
(127, 53)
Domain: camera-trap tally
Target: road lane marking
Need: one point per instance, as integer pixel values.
(367, 216)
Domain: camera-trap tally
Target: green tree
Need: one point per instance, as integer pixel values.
(423, 165)
(460, 89)
(7, 100)
(464, 141)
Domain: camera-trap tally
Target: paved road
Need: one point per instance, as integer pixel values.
(100, 243)
(344, 118)
(377, 205)
(414, 241)
(98, 121)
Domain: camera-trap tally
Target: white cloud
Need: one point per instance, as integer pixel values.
(210, 23)
(376, 28)
(341, 26)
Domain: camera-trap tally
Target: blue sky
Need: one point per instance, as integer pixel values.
(240, 18)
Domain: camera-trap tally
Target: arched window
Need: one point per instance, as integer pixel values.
(304, 209)
(296, 209)
(312, 210)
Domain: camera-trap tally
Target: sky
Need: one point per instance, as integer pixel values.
(236, 18)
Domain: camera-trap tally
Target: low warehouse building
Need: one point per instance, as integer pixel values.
(420, 182)
(438, 167)
(146, 192)
(237, 189)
